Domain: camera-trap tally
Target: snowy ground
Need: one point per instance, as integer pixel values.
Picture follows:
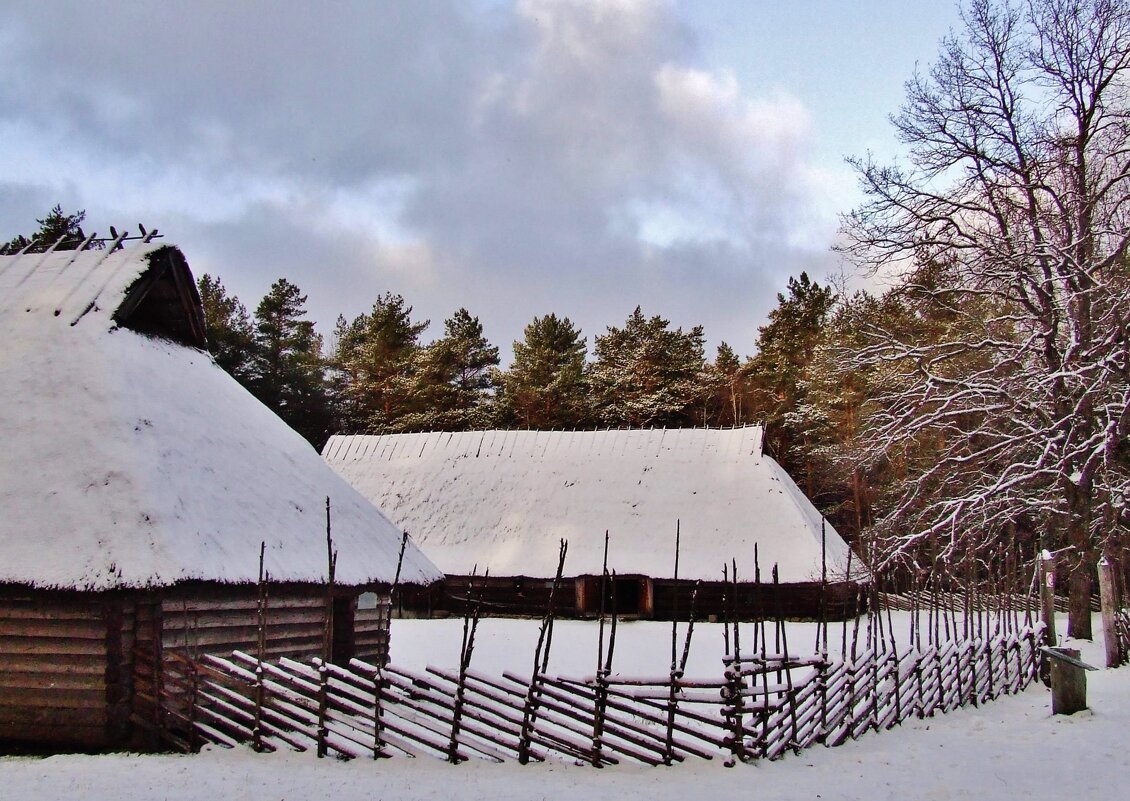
(1010, 748)
(642, 647)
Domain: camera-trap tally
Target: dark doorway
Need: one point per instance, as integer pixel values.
(342, 646)
(629, 594)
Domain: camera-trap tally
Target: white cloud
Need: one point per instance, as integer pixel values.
(547, 156)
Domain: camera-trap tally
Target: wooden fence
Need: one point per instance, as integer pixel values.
(761, 707)
(1122, 631)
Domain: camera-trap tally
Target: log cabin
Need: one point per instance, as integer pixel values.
(140, 486)
(500, 501)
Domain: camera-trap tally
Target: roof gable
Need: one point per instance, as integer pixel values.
(165, 302)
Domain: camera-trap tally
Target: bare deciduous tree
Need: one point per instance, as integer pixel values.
(1009, 225)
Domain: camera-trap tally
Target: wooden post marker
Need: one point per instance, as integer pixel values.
(1047, 597)
(1109, 600)
(1069, 680)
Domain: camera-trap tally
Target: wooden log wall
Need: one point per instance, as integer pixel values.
(660, 599)
(65, 668)
(758, 601)
(503, 596)
(220, 620)
(197, 621)
(96, 671)
(371, 620)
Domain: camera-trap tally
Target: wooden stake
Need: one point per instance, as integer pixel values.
(669, 741)
(822, 623)
(690, 630)
(260, 649)
(675, 615)
(603, 595)
(790, 693)
(533, 692)
(1108, 598)
(1047, 597)
(847, 578)
(470, 627)
(393, 595)
(327, 640)
(725, 608)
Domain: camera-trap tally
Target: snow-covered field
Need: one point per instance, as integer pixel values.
(1011, 748)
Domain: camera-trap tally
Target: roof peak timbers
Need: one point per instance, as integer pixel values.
(92, 241)
(735, 441)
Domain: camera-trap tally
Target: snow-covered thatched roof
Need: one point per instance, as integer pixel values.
(133, 460)
(502, 500)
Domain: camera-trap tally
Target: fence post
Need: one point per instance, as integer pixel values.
(1047, 597)
(378, 710)
(1109, 599)
(1035, 660)
(893, 660)
(732, 711)
(193, 700)
(1069, 682)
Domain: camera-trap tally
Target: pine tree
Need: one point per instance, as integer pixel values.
(785, 349)
(231, 338)
(545, 385)
(834, 404)
(59, 229)
(727, 381)
(453, 379)
(473, 361)
(288, 372)
(646, 374)
(375, 357)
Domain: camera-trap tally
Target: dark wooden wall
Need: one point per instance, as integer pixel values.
(87, 670)
(65, 668)
(659, 599)
(519, 596)
(752, 601)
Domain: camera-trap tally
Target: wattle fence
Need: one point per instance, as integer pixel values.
(761, 706)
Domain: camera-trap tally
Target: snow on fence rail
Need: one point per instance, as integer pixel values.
(761, 707)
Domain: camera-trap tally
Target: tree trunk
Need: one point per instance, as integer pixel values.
(1082, 561)
(1079, 583)
(1079, 599)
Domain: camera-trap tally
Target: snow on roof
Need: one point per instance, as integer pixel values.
(129, 460)
(502, 500)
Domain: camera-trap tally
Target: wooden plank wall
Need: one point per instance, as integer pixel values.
(222, 620)
(371, 620)
(717, 600)
(146, 673)
(54, 672)
(661, 599)
(93, 670)
(511, 595)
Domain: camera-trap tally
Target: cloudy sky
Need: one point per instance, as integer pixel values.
(515, 157)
